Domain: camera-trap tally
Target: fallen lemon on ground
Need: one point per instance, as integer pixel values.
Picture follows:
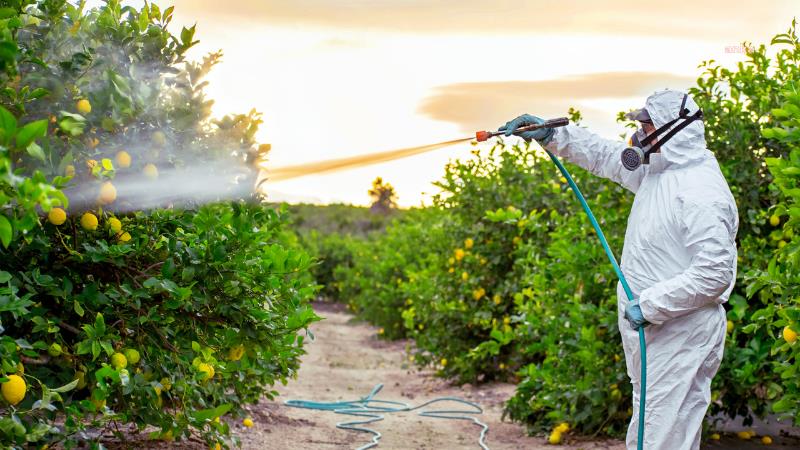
(555, 437)
(114, 225)
(57, 216)
(108, 193)
(789, 334)
(766, 440)
(715, 436)
(14, 389)
(248, 422)
(150, 171)
(83, 106)
(744, 435)
(119, 361)
(123, 159)
(563, 427)
(89, 221)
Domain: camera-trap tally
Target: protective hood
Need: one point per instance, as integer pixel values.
(689, 145)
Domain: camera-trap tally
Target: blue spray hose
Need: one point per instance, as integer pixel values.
(628, 292)
(374, 410)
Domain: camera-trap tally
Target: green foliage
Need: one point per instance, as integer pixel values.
(504, 279)
(211, 300)
(749, 121)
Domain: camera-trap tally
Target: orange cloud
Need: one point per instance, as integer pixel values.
(475, 106)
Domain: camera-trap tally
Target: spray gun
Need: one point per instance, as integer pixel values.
(481, 136)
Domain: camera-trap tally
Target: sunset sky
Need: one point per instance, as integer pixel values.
(343, 78)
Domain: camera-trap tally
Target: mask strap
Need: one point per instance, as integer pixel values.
(683, 113)
(687, 120)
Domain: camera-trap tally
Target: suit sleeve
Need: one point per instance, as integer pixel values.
(598, 155)
(710, 231)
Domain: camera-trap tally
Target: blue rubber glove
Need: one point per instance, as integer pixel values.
(634, 315)
(542, 135)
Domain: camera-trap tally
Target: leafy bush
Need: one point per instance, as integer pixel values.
(167, 319)
(505, 279)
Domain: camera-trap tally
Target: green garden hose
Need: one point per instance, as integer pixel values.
(628, 292)
(373, 411)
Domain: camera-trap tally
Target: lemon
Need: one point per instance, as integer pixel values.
(744, 435)
(477, 294)
(555, 437)
(165, 383)
(57, 216)
(464, 276)
(125, 237)
(458, 254)
(729, 326)
(119, 361)
(497, 299)
(766, 440)
(236, 352)
(54, 350)
(563, 427)
(774, 220)
(248, 422)
(69, 170)
(98, 404)
(444, 362)
(781, 243)
(150, 171)
(89, 221)
(616, 394)
(159, 138)
(132, 355)
(14, 389)
(468, 243)
(83, 106)
(123, 159)
(114, 225)
(216, 446)
(207, 371)
(789, 334)
(715, 436)
(108, 193)
(516, 240)
(81, 377)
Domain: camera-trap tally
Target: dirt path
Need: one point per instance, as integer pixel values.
(344, 363)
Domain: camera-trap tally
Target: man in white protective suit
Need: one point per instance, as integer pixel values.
(679, 257)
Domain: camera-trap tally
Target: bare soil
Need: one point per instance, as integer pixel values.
(344, 362)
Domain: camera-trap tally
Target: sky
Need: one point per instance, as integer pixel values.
(340, 78)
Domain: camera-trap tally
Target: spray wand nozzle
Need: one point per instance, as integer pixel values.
(481, 136)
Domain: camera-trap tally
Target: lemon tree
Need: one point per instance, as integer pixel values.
(113, 316)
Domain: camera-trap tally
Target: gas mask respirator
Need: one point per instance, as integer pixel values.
(641, 144)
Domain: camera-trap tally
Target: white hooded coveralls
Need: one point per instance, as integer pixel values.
(679, 259)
